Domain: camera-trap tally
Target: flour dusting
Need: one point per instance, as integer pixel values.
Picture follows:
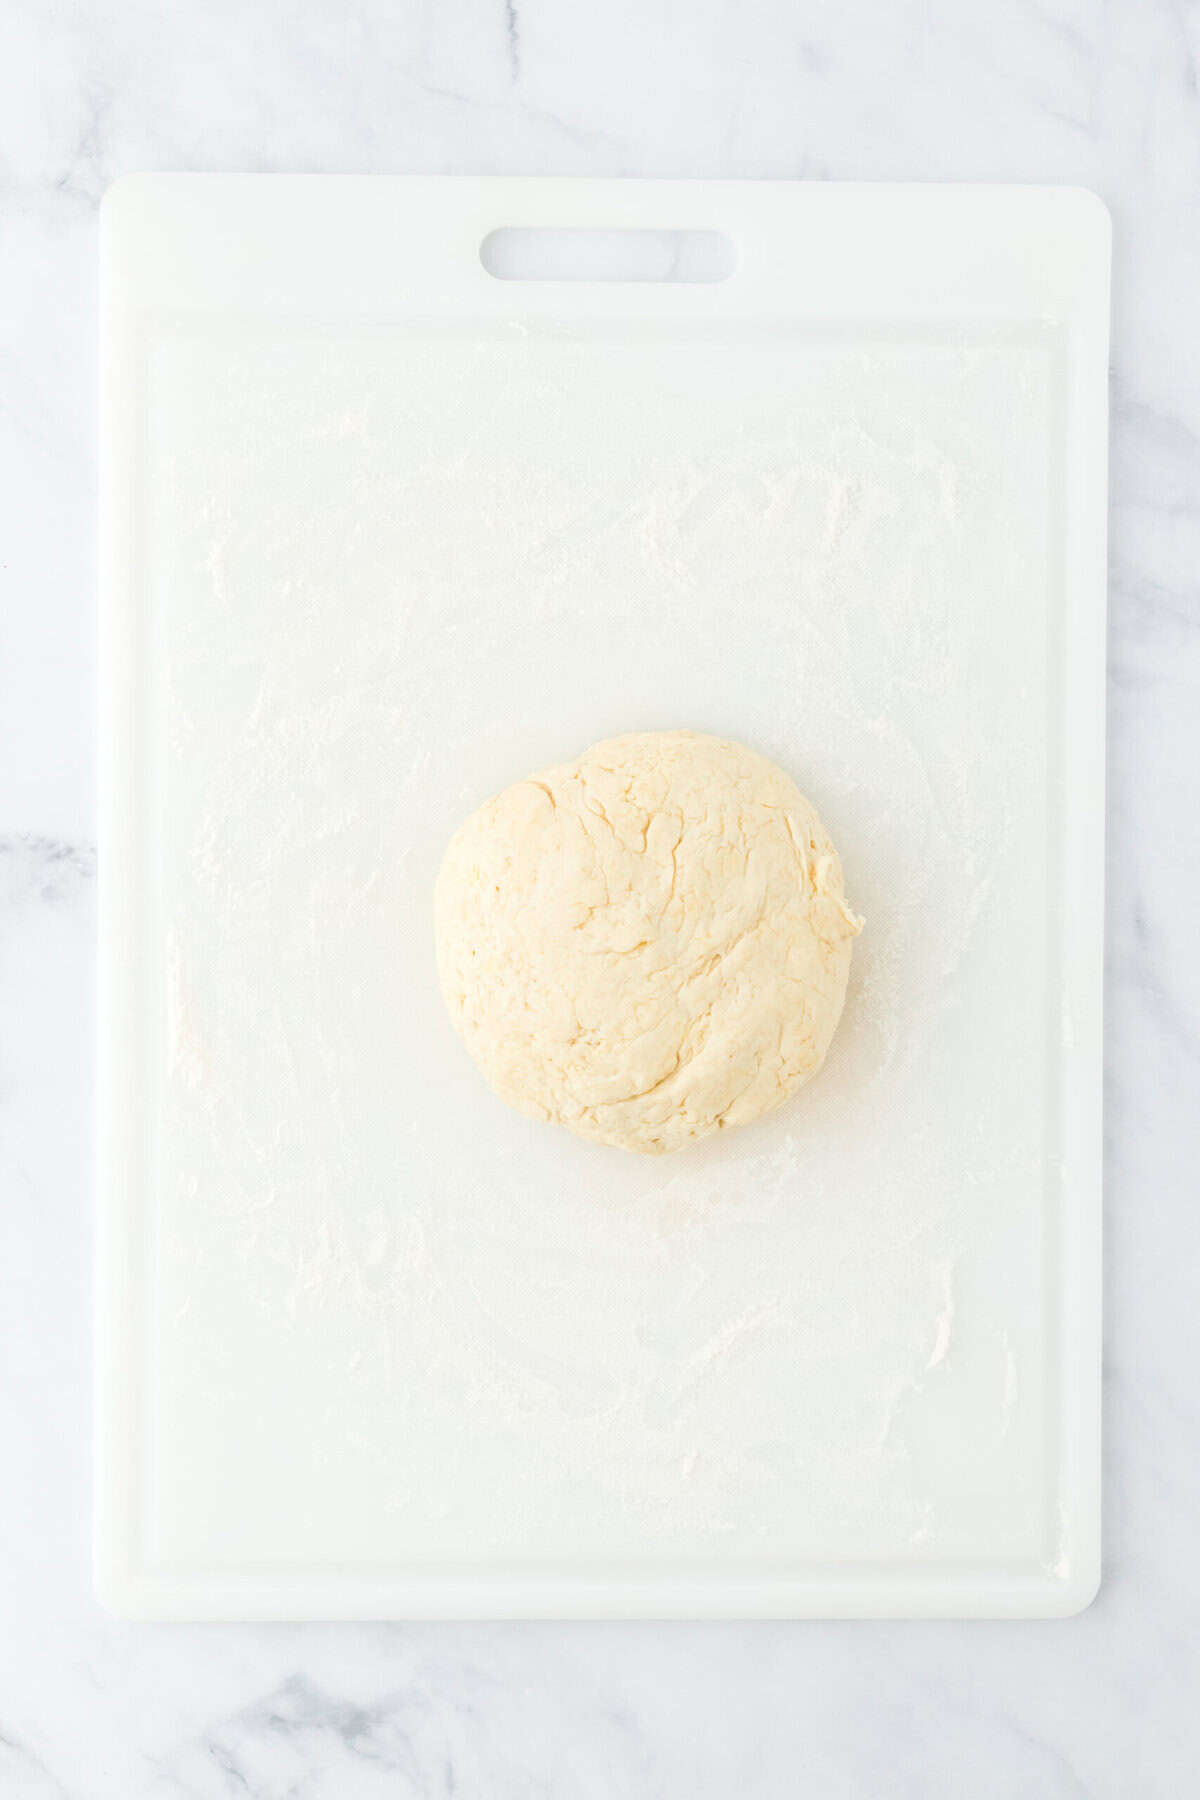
(387, 591)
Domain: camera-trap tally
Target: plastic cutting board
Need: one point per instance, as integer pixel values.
(382, 533)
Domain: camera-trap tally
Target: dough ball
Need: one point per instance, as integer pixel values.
(647, 944)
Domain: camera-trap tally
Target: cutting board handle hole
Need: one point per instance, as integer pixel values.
(576, 253)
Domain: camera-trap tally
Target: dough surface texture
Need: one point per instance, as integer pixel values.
(648, 944)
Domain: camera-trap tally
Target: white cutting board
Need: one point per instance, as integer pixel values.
(382, 533)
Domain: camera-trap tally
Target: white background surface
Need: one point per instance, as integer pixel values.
(1099, 1706)
(841, 1355)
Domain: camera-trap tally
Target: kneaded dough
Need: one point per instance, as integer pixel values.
(647, 944)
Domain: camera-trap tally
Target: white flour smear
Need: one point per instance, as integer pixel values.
(387, 596)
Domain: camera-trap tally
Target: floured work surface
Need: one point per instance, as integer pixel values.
(370, 1342)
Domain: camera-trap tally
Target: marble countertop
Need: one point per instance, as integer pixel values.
(966, 90)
